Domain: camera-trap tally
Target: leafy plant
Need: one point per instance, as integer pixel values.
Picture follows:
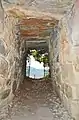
(40, 56)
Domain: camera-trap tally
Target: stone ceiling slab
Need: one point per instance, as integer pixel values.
(34, 27)
(51, 6)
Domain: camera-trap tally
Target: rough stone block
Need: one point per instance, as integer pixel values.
(2, 47)
(2, 81)
(66, 103)
(68, 91)
(14, 87)
(75, 109)
(63, 87)
(3, 65)
(5, 94)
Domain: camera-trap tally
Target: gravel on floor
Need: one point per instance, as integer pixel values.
(35, 100)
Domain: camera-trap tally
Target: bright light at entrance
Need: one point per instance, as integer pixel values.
(35, 64)
(36, 68)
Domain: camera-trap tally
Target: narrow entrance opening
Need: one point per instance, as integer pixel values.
(37, 34)
(37, 66)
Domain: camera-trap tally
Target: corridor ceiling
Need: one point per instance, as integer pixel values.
(36, 28)
(40, 8)
(49, 6)
(37, 17)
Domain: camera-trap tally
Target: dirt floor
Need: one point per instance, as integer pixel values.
(35, 100)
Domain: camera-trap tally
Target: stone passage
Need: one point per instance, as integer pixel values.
(56, 22)
(36, 100)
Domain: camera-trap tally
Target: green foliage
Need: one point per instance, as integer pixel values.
(39, 56)
(46, 77)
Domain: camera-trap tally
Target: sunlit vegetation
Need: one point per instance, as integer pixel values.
(40, 56)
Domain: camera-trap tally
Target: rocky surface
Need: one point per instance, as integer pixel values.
(64, 55)
(12, 53)
(35, 100)
(55, 6)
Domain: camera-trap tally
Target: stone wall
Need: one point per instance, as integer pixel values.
(69, 60)
(54, 58)
(67, 72)
(12, 53)
(65, 68)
